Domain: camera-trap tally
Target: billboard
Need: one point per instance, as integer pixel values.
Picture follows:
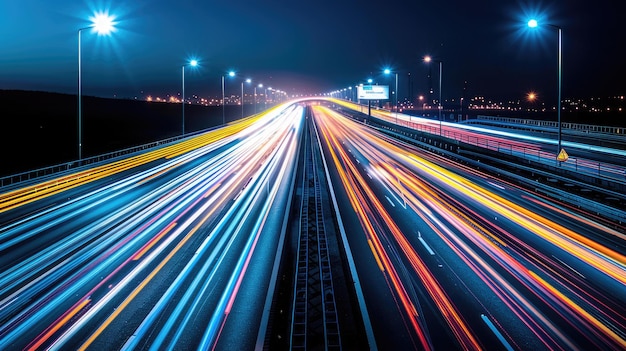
(373, 92)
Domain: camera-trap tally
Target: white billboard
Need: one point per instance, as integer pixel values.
(373, 92)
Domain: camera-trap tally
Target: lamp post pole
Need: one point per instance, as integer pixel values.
(558, 113)
(103, 25)
(80, 99)
(388, 71)
(246, 81)
(533, 23)
(183, 101)
(223, 103)
(230, 74)
(428, 59)
(396, 93)
(440, 102)
(191, 63)
(241, 99)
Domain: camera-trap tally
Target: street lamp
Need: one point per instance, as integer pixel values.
(102, 24)
(534, 24)
(230, 74)
(246, 81)
(255, 102)
(429, 59)
(192, 63)
(388, 71)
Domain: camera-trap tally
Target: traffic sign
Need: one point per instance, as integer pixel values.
(562, 156)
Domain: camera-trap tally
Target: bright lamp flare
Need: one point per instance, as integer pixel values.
(532, 23)
(102, 23)
(231, 73)
(193, 62)
(387, 71)
(427, 59)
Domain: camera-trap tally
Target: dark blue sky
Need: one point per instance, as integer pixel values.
(315, 46)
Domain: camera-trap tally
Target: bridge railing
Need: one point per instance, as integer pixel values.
(589, 167)
(75, 164)
(589, 128)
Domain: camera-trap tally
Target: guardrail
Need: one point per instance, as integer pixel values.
(75, 164)
(553, 124)
(588, 167)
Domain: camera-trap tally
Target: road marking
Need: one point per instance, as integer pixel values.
(570, 267)
(496, 185)
(497, 332)
(391, 202)
(430, 251)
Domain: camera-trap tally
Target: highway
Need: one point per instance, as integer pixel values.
(604, 157)
(451, 258)
(134, 254)
(177, 247)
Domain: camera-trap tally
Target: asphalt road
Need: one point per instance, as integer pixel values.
(151, 250)
(450, 258)
(174, 248)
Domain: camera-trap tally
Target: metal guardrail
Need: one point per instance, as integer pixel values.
(76, 164)
(553, 124)
(588, 167)
(315, 320)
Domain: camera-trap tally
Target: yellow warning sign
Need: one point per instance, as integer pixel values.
(562, 156)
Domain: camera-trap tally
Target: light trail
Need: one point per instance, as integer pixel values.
(458, 209)
(172, 199)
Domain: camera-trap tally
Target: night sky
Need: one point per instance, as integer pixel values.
(315, 46)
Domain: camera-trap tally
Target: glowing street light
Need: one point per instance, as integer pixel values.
(388, 71)
(429, 59)
(230, 74)
(192, 63)
(534, 24)
(102, 24)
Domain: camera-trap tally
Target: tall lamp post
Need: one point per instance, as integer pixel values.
(192, 63)
(103, 24)
(534, 24)
(246, 81)
(388, 71)
(230, 74)
(255, 100)
(429, 59)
